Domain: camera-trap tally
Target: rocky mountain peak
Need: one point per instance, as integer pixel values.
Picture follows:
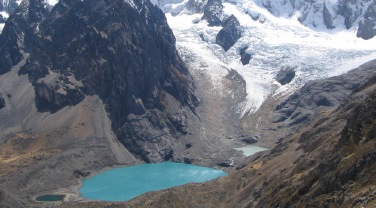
(122, 51)
(19, 32)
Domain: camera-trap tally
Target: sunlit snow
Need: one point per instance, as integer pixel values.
(52, 2)
(4, 14)
(274, 42)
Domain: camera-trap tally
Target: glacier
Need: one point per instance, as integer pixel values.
(275, 41)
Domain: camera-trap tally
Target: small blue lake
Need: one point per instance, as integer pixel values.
(251, 150)
(122, 184)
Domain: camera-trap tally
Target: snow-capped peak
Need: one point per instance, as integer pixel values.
(276, 36)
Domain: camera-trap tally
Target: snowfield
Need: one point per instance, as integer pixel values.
(274, 42)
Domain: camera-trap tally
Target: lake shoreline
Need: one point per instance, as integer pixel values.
(72, 193)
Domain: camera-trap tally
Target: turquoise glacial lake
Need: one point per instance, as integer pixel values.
(122, 184)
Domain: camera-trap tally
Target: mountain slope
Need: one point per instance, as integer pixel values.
(329, 163)
(88, 85)
(92, 84)
(113, 53)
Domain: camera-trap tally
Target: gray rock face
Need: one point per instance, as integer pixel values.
(19, 32)
(321, 94)
(229, 34)
(367, 25)
(213, 13)
(285, 75)
(123, 53)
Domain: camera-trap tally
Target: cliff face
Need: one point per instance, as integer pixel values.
(124, 53)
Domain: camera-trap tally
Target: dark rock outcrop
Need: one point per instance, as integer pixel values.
(285, 75)
(2, 19)
(213, 13)
(51, 98)
(80, 173)
(248, 139)
(2, 102)
(328, 19)
(244, 56)
(229, 34)
(19, 31)
(224, 164)
(126, 55)
(367, 25)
